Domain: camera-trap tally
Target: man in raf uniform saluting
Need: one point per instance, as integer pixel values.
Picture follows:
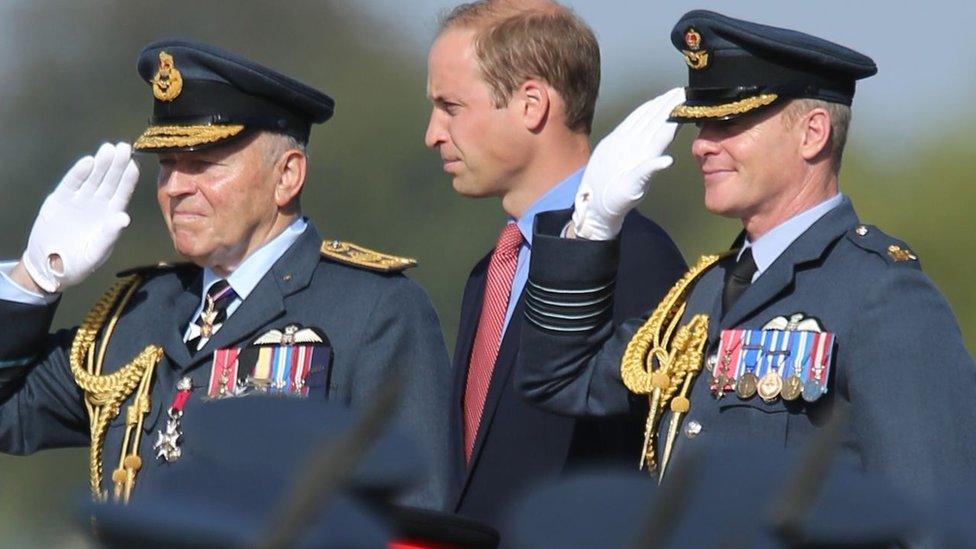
(812, 313)
(264, 305)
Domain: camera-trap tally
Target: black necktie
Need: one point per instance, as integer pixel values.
(214, 312)
(737, 279)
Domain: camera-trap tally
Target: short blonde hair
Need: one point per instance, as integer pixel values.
(517, 41)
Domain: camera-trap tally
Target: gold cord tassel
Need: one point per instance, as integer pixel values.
(660, 356)
(104, 394)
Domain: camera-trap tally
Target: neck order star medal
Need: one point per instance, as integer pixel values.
(208, 316)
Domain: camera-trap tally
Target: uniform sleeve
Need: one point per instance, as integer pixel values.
(569, 356)
(404, 332)
(11, 291)
(911, 385)
(40, 405)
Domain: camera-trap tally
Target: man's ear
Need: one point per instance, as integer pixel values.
(534, 101)
(290, 171)
(815, 141)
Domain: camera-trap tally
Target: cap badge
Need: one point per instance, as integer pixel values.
(696, 59)
(168, 82)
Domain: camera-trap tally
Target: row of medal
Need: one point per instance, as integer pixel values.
(774, 364)
(276, 369)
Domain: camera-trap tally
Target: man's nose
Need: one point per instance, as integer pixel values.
(177, 183)
(704, 144)
(435, 134)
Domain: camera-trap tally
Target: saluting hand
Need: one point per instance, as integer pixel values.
(81, 220)
(621, 167)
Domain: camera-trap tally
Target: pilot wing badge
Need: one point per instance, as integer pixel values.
(289, 360)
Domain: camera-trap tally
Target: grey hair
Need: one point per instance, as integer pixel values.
(840, 123)
(278, 143)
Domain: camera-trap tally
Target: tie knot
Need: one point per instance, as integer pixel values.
(221, 294)
(509, 240)
(745, 267)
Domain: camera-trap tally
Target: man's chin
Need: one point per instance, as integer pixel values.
(468, 190)
(189, 252)
(722, 208)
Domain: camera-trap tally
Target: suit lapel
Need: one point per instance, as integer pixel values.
(810, 246)
(500, 380)
(471, 302)
(266, 303)
(181, 308)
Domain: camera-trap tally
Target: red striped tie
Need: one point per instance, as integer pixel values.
(501, 271)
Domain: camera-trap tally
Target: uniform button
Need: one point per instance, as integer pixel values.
(286, 278)
(861, 230)
(711, 362)
(692, 429)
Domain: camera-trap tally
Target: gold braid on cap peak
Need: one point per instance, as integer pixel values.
(104, 394)
(161, 137)
(726, 109)
(677, 354)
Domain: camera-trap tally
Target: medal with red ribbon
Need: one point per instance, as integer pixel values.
(815, 385)
(729, 355)
(167, 444)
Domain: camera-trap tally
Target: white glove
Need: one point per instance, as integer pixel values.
(81, 220)
(621, 167)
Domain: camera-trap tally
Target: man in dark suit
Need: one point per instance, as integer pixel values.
(264, 305)
(513, 89)
(811, 315)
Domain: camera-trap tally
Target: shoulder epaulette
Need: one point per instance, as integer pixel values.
(876, 241)
(155, 268)
(358, 256)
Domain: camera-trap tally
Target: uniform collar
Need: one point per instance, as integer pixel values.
(247, 275)
(771, 245)
(811, 245)
(560, 197)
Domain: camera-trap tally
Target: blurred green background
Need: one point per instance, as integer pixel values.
(68, 82)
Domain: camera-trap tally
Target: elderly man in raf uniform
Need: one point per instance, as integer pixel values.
(811, 313)
(264, 305)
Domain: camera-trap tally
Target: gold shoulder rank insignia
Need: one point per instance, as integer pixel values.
(897, 253)
(353, 254)
(155, 267)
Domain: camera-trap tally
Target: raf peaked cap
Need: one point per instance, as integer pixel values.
(203, 96)
(736, 66)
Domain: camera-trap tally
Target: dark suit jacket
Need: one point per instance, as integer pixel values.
(518, 444)
(374, 322)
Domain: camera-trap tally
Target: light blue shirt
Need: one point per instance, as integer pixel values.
(771, 245)
(11, 291)
(247, 275)
(559, 197)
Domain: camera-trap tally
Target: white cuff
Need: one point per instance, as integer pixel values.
(11, 291)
